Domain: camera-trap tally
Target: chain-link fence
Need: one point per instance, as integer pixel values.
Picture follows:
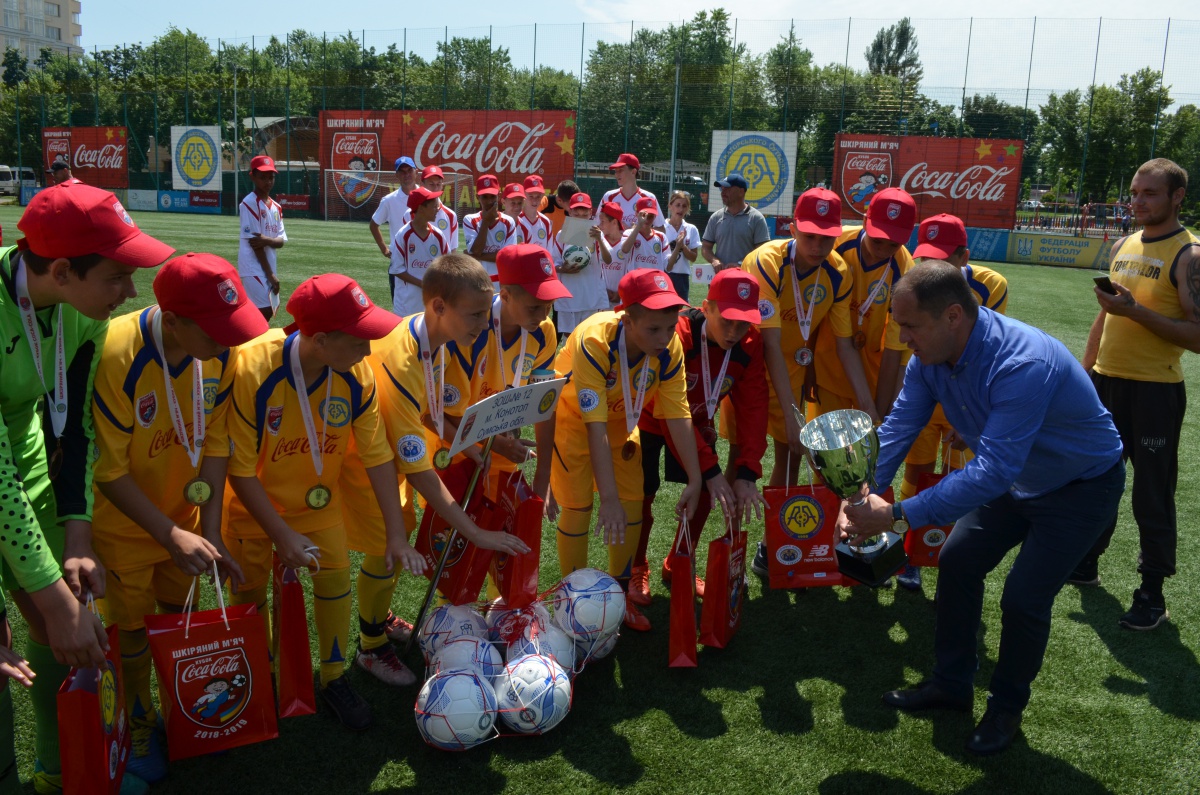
(1092, 98)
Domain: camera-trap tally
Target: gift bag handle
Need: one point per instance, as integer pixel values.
(188, 603)
(682, 535)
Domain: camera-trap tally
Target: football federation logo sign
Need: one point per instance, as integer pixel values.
(863, 175)
(801, 517)
(147, 409)
(354, 152)
(214, 687)
(196, 158)
(764, 165)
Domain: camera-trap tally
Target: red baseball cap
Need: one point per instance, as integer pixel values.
(892, 214)
(513, 189)
(74, 219)
(418, 196)
(487, 185)
(939, 236)
(818, 212)
(529, 267)
(613, 210)
(626, 159)
(647, 205)
(432, 171)
(534, 182)
(262, 163)
(580, 200)
(333, 302)
(648, 287)
(208, 291)
(735, 293)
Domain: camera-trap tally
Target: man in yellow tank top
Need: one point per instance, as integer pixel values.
(1133, 353)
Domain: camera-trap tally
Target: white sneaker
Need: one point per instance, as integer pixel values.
(384, 665)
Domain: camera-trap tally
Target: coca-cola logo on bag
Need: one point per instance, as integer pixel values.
(213, 688)
(354, 152)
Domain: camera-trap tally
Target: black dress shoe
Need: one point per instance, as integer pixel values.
(995, 732)
(926, 695)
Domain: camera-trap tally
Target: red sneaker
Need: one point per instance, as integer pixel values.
(397, 629)
(666, 578)
(634, 618)
(639, 586)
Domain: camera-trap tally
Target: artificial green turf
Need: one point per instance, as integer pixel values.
(793, 704)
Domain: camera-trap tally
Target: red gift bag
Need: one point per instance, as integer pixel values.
(467, 564)
(93, 729)
(724, 589)
(682, 643)
(291, 652)
(214, 676)
(800, 536)
(924, 544)
(519, 512)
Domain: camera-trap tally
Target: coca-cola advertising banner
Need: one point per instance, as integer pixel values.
(977, 179)
(510, 144)
(96, 155)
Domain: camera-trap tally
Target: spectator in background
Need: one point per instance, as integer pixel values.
(557, 206)
(60, 172)
(683, 241)
(736, 229)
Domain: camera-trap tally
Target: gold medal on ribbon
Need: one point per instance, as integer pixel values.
(629, 450)
(804, 357)
(198, 491)
(318, 497)
(441, 459)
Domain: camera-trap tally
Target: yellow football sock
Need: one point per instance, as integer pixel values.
(620, 556)
(573, 525)
(331, 610)
(375, 588)
(908, 489)
(135, 667)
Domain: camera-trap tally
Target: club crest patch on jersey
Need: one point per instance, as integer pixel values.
(274, 419)
(588, 400)
(211, 387)
(228, 292)
(766, 309)
(336, 412)
(433, 249)
(214, 687)
(147, 409)
(442, 224)
(411, 448)
(450, 395)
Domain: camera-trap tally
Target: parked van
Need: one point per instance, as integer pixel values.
(10, 180)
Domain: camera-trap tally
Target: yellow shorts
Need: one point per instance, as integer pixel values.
(131, 594)
(254, 554)
(571, 477)
(361, 516)
(827, 401)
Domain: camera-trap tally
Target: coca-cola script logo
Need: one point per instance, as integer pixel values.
(863, 175)
(979, 182)
(354, 152)
(213, 688)
(510, 147)
(111, 156)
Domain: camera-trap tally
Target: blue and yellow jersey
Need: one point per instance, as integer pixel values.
(135, 435)
(593, 393)
(268, 438)
(989, 286)
(879, 331)
(403, 402)
(829, 284)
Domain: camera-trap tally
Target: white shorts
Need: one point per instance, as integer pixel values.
(259, 292)
(567, 321)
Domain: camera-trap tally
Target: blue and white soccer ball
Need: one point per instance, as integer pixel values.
(456, 709)
(505, 624)
(468, 651)
(589, 605)
(450, 621)
(534, 694)
(587, 651)
(547, 640)
(576, 257)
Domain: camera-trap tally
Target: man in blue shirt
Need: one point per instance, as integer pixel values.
(1047, 475)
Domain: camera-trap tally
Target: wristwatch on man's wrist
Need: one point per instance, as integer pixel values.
(899, 522)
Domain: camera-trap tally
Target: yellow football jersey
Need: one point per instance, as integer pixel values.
(269, 440)
(989, 286)
(872, 327)
(593, 393)
(135, 435)
(828, 285)
(1145, 267)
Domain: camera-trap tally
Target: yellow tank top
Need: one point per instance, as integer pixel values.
(1146, 268)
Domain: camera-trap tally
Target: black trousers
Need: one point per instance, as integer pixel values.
(682, 284)
(1149, 417)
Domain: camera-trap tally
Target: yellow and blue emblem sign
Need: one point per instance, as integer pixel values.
(762, 161)
(197, 158)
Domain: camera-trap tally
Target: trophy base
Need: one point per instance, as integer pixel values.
(874, 567)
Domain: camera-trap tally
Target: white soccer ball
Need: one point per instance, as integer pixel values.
(505, 625)
(468, 651)
(576, 257)
(547, 640)
(534, 694)
(456, 709)
(589, 605)
(450, 621)
(596, 650)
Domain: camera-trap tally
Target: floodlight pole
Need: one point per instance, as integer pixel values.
(236, 145)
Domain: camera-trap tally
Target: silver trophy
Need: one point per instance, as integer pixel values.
(843, 447)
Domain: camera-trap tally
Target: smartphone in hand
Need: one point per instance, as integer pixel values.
(1104, 283)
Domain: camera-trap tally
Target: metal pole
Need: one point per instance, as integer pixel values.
(1091, 103)
(579, 105)
(1028, 78)
(628, 86)
(96, 80)
(237, 138)
(533, 75)
(732, 72)
(1161, 73)
(845, 70)
(187, 85)
(487, 102)
(445, 69)
(20, 158)
(441, 566)
(962, 108)
(362, 70)
(324, 71)
(287, 111)
(787, 88)
(404, 78)
(157, 163)
(675, 120)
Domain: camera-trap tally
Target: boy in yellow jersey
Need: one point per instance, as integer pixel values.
(616, 361)
(944, 237)
(519, 341)
(414, 384)
(1134, 351)
(159, 407)
(283, 467)
(876, 257)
